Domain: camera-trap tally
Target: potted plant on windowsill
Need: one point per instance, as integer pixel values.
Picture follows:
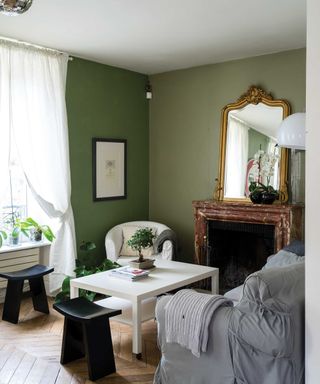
(142, 239)
(12, 226)
(34, 231)
(3, 237)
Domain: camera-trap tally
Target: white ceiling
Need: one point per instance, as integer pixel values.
(152, 36)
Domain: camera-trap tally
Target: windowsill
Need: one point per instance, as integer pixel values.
(24, 245)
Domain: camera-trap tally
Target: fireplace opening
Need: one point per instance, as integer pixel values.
(238, 249)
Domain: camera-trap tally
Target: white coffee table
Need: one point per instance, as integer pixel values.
(167, 275)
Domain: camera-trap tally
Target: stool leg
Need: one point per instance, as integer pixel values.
(99, 350)
(72, 343)
(12, 301)
(39, 297)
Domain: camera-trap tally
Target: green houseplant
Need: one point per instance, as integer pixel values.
(34, 231)
(82, 270)
(3, 236)
(141, 239)
(11, 224)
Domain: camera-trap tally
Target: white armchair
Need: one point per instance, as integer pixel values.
(114, 241)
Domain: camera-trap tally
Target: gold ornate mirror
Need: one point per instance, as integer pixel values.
(249, 127)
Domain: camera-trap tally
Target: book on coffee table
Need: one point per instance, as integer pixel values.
(130, 273)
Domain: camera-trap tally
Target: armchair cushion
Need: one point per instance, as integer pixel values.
(128, 232)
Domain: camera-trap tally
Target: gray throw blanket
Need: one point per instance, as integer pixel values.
(187, 318)
(167, 234)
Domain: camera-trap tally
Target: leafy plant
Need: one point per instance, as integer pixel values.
(83, 270)
(3, 237)
(141, 239)
(259, 188)
(11, 223)
(30, 226)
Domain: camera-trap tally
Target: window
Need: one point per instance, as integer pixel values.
(18, 202)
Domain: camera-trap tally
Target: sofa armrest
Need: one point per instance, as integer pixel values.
(179, 365)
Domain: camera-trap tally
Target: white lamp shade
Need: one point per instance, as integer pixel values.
(292, 132)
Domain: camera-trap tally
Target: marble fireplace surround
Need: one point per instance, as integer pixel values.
(287, 221)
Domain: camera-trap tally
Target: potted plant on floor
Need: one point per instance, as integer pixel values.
(86, 247)
(142, 239)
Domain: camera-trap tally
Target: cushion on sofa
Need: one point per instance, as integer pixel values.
(276, 288)
(235, 294)
(296, 246)
(282, 259)
(271, 299)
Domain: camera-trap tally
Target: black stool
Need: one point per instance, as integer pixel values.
(87, 333)
(16, 280)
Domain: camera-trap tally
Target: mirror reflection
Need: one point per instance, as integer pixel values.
(251, 149)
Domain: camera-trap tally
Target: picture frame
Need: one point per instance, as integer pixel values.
(109, 169)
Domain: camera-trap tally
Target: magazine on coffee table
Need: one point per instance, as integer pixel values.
(130, 273)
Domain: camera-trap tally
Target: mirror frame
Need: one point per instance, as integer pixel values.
(254, 95)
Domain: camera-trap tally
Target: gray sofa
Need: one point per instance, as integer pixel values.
(258, 341)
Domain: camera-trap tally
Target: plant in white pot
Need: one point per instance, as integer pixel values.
(141, 239)
(12, 225)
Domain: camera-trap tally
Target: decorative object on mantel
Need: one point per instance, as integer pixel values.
(247, 125)
(261, 174)
(14, 7)
(142, 239)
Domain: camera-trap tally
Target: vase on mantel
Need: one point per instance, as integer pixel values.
(268, 198)
(256, 198)
(262, 198)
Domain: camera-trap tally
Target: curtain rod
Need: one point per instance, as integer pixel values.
(40, 47)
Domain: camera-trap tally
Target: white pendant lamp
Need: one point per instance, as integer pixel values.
(292, 132)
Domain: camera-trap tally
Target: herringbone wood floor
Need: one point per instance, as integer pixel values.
(30, 352)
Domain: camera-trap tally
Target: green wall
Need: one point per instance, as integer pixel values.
(185, 124)
(104, 101)
(256, 141)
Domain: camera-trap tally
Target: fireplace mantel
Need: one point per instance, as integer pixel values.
(287, 221)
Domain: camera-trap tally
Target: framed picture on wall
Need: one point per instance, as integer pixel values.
(109, 158)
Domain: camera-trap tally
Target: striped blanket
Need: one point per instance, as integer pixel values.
(187, 318)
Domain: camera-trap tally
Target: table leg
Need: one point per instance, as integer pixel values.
(74, 292)
(136, 328)
(215, 282)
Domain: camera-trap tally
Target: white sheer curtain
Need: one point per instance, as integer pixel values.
(37, 117)
(236, 158)
(4, 119)
(272, 148)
